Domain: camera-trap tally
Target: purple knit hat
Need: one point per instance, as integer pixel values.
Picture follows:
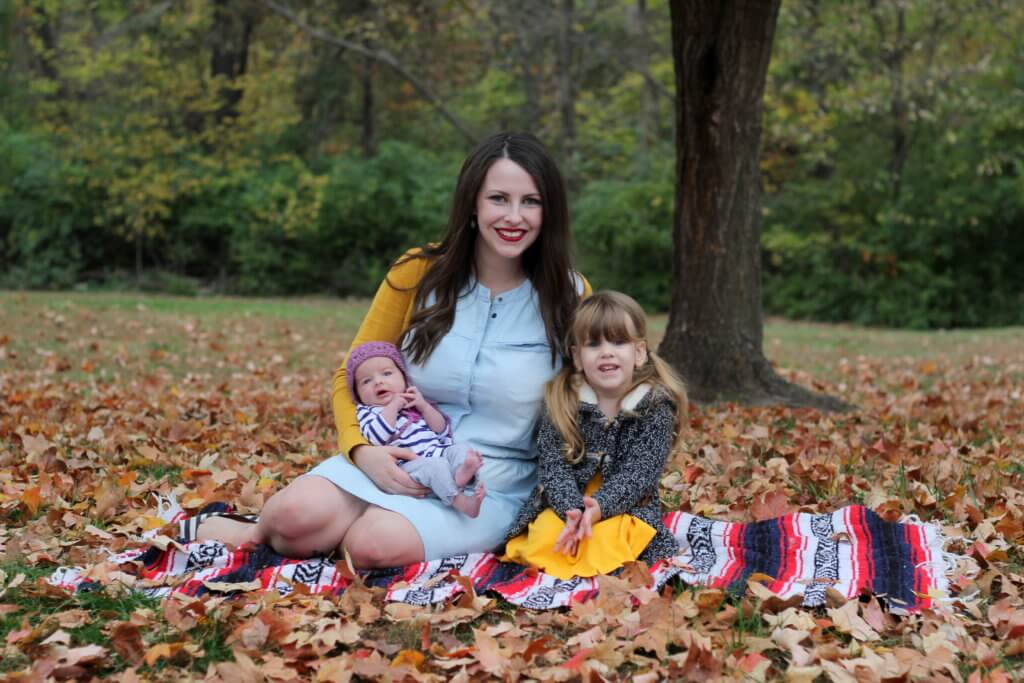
(365, 352)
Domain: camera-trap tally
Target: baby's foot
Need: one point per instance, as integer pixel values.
(465, 472)
(470, 505)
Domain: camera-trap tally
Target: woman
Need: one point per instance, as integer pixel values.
(480, 319)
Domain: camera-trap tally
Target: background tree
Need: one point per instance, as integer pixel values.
(889, 200)
(286, 146)
(721, 50)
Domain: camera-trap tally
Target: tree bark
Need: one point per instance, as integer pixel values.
(368, 112)
(232, 30)
(566, 90)
(714, 335)
(650, 118)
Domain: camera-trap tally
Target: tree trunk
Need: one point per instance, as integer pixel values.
(566, 91)
(368, 117)
(138, 258)
(898, 105)
(650, 118)
(232, 29)
(721, 50)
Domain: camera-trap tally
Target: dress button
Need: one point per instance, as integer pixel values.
(494, 315)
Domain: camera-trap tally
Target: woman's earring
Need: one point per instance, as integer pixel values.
(472, 223)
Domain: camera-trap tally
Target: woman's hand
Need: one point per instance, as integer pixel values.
(378, 463)
(566, 542)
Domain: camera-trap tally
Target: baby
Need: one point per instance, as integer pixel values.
(393, 413)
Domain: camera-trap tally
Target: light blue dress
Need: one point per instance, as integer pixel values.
(487, 374)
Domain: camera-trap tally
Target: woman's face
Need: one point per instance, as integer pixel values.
(508, 213)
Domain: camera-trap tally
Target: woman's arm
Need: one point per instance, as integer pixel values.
(385, 321)
(638, 475)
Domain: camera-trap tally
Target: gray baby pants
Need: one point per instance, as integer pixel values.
(438, 473)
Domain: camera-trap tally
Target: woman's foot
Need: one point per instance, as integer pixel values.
(465, 472)
(470, 505)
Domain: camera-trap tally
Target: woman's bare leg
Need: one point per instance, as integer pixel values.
(225, 530)
(382, 538)
(308, 517)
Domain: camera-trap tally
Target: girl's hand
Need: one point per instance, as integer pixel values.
(566, 543)
(591, 516)
(379, 464)
(413, 398)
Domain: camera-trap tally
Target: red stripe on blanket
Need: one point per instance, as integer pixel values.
(731, 536)
(790, 558)
(922, 558)
(853, 524)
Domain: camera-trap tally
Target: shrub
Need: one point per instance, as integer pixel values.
(623, 232)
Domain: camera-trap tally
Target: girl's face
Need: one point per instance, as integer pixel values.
(609, 365)
(378, 380)
(508, 214)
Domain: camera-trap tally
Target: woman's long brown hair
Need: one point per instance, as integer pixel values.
(619, 318)
(548, 261)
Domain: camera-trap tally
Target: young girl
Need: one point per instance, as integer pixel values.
(611, 421)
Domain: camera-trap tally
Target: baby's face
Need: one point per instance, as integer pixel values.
(378, 380)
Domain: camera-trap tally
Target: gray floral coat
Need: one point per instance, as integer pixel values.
(630, 451)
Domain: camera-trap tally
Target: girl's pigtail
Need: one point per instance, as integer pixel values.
(562, 399)
(668, 379)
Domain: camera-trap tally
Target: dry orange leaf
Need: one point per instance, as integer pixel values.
(162, 651)
(413, 658)
(32, 500)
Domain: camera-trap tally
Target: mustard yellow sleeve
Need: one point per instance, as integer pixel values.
(386, 319)
(587, 290)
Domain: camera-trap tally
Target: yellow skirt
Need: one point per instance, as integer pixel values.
(614, 542)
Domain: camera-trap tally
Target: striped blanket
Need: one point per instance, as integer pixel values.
(852, 551)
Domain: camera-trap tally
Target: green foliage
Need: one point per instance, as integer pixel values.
(624, 235)
(894, 167)
(892, 160)
(375, 209)
(47, 228)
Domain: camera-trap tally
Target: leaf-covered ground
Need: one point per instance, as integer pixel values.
(105, 399)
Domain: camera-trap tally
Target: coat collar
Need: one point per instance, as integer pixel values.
(629, 402)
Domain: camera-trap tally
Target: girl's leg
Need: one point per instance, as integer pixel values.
(382, 538)
(309, 516)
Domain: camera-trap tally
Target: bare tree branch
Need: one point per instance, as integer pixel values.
(132, 24)
(382, 56)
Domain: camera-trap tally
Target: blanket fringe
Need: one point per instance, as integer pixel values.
(958, 568)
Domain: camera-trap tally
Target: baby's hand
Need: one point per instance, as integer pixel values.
(413, 398)
(399, 401)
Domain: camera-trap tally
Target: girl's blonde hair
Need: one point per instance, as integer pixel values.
(615, 317)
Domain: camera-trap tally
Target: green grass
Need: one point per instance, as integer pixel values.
(818, 349)
(305, 308)
(41, 610)
(37, 609)
(158, 471)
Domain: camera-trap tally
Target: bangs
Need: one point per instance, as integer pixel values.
(598, 318)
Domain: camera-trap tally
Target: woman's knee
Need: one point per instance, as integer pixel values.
(381, 538)
(303, 507)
